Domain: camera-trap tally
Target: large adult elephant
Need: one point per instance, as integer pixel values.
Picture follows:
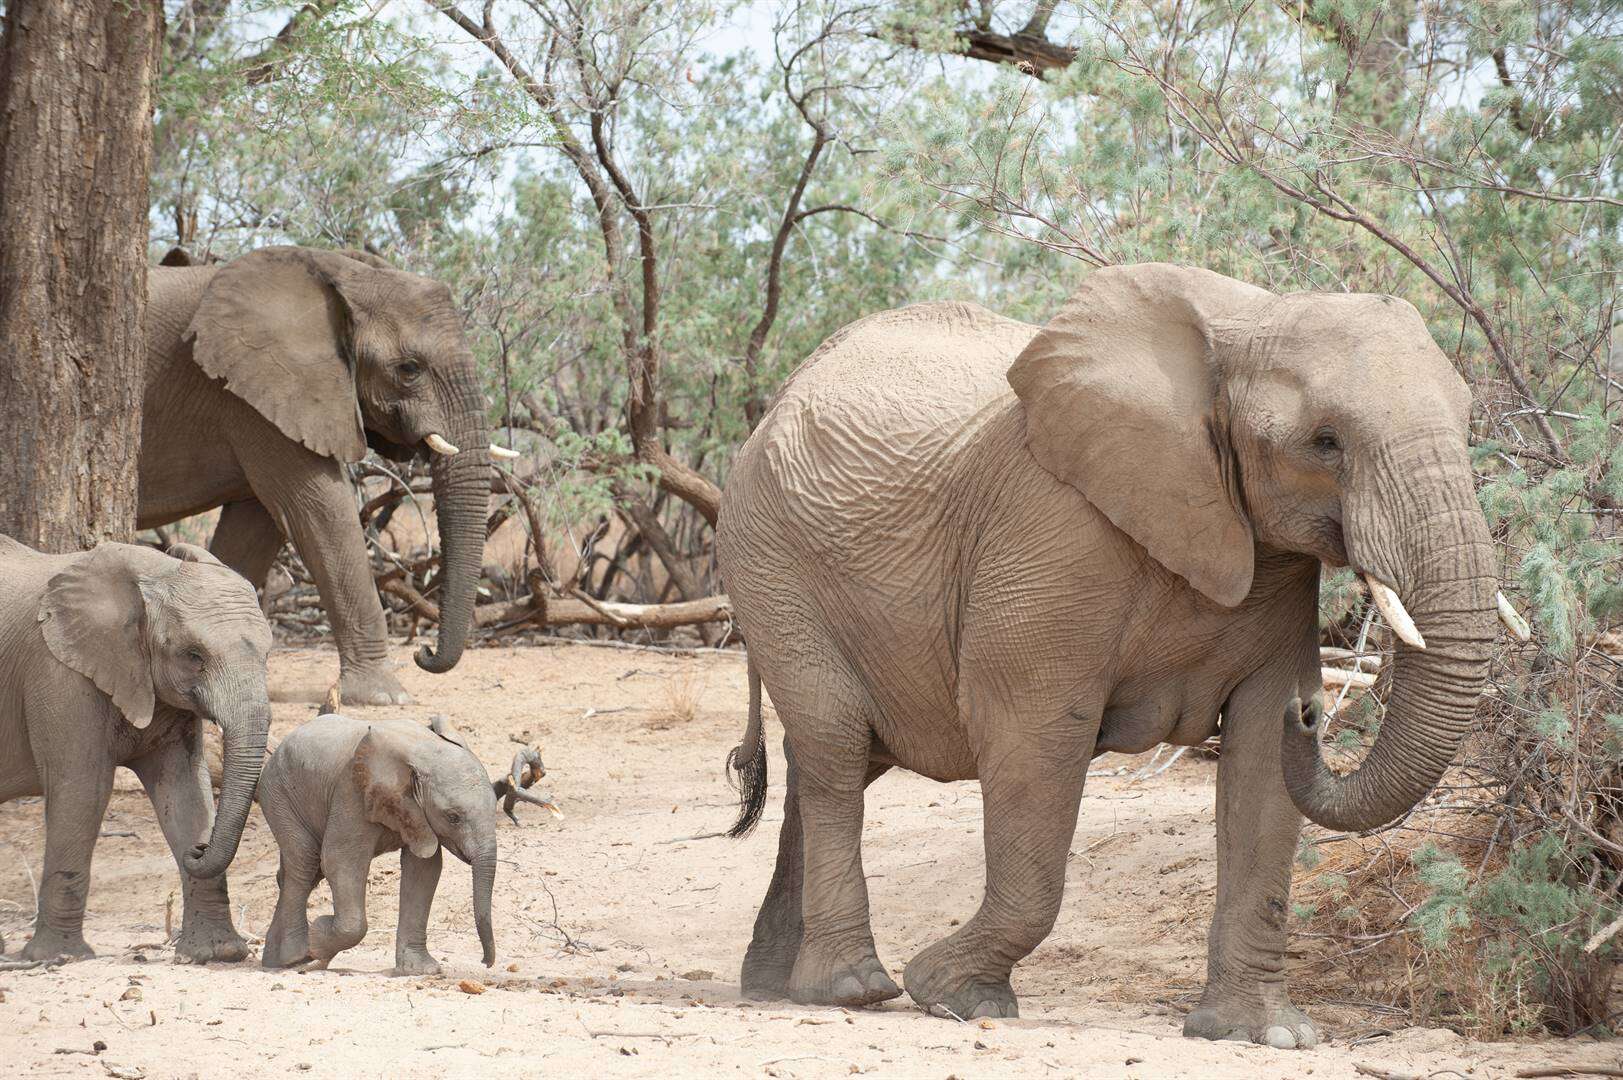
(264, 377)
(938, 573)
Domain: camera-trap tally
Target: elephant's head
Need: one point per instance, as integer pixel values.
(180, 629)
(1209, 418)
(341, 351)
(426, 786)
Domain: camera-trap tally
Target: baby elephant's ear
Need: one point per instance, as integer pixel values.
(93, 616)
(392, 791)
(440, 725)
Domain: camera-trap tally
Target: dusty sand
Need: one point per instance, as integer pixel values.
(634, 743)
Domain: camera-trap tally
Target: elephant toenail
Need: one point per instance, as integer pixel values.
(1280, 1038)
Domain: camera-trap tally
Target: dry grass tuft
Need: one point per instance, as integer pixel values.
(683, 694)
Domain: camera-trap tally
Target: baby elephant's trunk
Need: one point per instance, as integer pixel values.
(484, 883)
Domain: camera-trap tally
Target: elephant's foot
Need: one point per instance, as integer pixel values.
(824, 977)
(202, 941)
(938, 980)
(328, 939)
(415, 962)
(1244, 1019)
(48, 946)
(284, 957)
(371, 686)
(768, 966)
(764, 982)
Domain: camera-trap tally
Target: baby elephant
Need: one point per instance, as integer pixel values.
(339, 792)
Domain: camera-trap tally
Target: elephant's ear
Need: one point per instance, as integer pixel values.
(276, 325)
(392, 790)
(1123, 399)
(92, 616)
(193, 553)
(440, 725)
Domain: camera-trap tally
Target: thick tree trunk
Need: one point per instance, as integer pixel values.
(76, 98)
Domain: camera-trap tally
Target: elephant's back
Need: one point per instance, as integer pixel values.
(872, 420)
(173, 293)
(24, 574)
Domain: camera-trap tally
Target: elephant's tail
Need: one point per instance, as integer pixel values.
(748, 761)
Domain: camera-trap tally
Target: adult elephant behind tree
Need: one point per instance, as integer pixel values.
(265, 375)
(937, 573)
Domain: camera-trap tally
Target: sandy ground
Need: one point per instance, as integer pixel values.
(620, 934)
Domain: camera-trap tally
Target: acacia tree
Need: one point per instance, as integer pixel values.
(76, 101)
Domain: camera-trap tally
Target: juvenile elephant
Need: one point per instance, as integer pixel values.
(938, 573)
(339, 792)
(266, 375)
(115, 657)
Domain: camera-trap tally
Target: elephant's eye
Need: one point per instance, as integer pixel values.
(409, 369)
(195, 655)
(453, 817)
(1325, 442)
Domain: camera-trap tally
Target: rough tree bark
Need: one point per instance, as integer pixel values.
(76, 97)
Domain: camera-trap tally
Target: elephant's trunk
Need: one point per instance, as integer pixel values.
(484, 883)
(1434, 550)
(244, 734)
(461, 499)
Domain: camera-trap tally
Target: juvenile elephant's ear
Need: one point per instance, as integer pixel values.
(92, 617)
(193, 553)
(1123, 401)
(275, 324)
(392, 791)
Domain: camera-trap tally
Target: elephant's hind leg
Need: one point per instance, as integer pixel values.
(830, 737)
(75, 803)
(287, 941)
(1031, 787)
(247, 540)
(346, 873)
(776, 945)
(176, 780)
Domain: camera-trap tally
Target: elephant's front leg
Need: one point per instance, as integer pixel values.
(1257, 831)
(418, 880)
(311, 499)
(176, 779)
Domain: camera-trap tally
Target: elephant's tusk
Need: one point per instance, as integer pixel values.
(503, 452)
(436, 442)
(1513, 619)
(1392, 610)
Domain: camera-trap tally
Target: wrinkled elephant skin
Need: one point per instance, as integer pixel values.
(337, 793)
(118, 656)
(974, 548)
(265, 376)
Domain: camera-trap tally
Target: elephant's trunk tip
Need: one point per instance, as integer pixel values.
(437, 662)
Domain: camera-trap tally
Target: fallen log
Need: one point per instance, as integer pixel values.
(1341, 677)
(541, 610)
